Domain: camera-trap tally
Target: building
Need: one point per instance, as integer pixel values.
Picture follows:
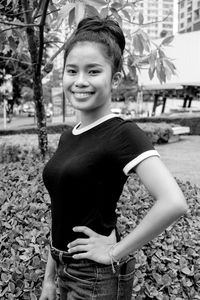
(158, 15)
(188, 15)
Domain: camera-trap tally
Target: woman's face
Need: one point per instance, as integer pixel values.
(87, 77)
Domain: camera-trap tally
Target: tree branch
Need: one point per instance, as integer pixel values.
(16, 14)
(23, 72)
(8, 29)
(51, 12)
(18, 25)
(14, 59)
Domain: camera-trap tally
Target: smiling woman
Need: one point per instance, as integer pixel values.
(86, 175)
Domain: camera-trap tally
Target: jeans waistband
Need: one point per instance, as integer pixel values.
(61, 256)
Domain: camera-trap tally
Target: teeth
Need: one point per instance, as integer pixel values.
(82, 95)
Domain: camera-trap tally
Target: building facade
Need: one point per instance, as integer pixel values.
(188, 15)
(158, 17)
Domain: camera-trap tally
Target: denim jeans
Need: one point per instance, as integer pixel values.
(86, 279)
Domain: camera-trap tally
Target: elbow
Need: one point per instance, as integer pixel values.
(181, 206)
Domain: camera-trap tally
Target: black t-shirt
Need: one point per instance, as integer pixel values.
(86, 175)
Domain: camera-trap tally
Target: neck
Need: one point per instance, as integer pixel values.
(89, 117)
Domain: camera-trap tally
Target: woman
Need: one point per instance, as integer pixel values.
(85, 177)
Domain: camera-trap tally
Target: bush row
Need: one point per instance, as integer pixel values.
(167, 268)
(16, 147)
(157, 132)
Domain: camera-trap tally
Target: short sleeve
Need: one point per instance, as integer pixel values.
(131, 146)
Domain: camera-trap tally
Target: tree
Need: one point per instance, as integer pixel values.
(25, 27)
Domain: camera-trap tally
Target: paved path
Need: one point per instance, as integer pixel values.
(183, 158)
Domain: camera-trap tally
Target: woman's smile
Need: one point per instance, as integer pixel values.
(82, 95)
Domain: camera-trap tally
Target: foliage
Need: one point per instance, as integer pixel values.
(157, 132)
(166, 268)
(16, 148)
(169, 266)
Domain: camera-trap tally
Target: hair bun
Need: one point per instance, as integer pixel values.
(109, 26)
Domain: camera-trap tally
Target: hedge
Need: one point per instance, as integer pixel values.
(16, 147)
(158, 133)
(166, 268)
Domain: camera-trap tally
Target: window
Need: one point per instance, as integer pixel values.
(196, 14)
(189, 8)
(167, 26)
(182, 3)
(182, 25)
(189, 19)
(167, 6)
(189, 29)
(182, 15)
(198, 4)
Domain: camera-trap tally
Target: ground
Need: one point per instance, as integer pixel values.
(183, 158)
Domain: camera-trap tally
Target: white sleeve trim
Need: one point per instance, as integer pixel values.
(138, 159)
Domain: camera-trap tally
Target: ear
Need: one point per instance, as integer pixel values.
(117, 77)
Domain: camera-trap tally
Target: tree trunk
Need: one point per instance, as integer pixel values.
(37, 81)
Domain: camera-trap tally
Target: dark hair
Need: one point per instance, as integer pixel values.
(103, 31)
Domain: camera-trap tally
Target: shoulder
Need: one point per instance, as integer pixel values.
(128, 129)
(65, 135)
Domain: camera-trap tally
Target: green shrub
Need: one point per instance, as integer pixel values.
(14, 148)
(158, 133)
(166, 268)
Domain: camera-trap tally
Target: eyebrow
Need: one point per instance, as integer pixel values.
(88, 66)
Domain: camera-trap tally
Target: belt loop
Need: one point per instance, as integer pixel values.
(60, 257)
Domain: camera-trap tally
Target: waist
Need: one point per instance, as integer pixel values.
(65, 257)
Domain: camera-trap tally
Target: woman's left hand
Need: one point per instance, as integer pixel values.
(96, 247)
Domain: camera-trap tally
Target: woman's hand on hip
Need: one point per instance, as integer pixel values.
(96, 247)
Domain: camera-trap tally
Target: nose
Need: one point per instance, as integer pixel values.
(81, 80)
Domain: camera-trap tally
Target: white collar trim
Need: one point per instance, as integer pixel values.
(76, 131)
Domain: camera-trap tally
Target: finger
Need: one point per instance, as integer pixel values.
(78, 242)
(86, 230)
(81, 255)
(82, 248)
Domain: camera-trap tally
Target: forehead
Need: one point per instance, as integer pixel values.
(87, 52)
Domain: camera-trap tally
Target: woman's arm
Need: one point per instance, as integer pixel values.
(169, 206)
(49, 286)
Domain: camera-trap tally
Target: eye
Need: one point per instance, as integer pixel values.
(71, 71)
(94, 72)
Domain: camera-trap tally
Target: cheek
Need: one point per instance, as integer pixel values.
(66, 81)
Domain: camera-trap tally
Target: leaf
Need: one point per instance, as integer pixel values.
(116, 15)
(32, 296)
(104, 12)
(71, 18)
(79, 11)
(91, 11)
(126, 14)
(96, 3)
(11, 287)
(141, 18)
(167, 40)
(116, 5)
(137, 44)
(151, 73)
(186, 271)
